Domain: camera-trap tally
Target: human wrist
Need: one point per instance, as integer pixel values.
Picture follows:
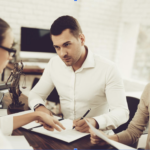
(39, 108)
(37, 105)
(42, 108)
(113, 137)
(96, 124)
(38, 115)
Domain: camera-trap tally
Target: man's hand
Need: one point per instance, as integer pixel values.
(81, 125)
(96, 140)
(45, 110)
(50, 123)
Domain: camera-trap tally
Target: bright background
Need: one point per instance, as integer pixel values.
(116, 29)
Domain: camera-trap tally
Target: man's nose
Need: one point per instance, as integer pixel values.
(63, 52)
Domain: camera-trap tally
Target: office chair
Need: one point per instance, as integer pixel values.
(53, 97)
(132, 105)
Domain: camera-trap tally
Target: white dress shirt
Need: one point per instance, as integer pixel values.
(96, 85)
(6, 125)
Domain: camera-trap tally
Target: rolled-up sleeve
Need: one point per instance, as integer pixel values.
(116, 99)
(6, 125)
(42, 89)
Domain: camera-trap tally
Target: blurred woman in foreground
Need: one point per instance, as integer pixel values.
(10, 123)
(136, 126)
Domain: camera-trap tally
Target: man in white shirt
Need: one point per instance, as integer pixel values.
(83, 80)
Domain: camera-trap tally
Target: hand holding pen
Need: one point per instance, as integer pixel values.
(83, 116)
(81, 125)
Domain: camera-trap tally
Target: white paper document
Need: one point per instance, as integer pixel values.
(68, 135)
(142, 141)
(111, 142)
(3, 112)
(18, 142)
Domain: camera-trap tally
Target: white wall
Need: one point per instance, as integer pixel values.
(102, 22)
(136, 11)
(99, 19)
(134, 14)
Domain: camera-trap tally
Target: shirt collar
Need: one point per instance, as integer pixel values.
(89, 61)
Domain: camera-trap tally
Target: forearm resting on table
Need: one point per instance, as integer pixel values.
(19, 121)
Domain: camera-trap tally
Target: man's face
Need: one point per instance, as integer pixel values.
(68, 47)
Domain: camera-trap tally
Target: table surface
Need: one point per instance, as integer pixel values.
(39, 141)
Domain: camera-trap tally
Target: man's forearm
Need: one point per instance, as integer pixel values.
(19, 121)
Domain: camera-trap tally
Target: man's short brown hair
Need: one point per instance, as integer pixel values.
(65, 22)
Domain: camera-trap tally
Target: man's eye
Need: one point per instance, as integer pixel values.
(67, 44)
(57, 48)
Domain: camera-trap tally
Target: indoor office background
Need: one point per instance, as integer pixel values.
(118, 30)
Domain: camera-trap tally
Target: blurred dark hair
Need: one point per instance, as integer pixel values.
(4, 26)
(65, 22)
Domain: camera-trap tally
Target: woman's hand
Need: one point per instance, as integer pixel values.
(96, 140)
(49, 122)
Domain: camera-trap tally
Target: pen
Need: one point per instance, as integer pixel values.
(83, 116)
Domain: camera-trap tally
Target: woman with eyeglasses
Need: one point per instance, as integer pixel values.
(10, 123)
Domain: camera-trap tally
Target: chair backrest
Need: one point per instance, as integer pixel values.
(53, 97)
(132, 105)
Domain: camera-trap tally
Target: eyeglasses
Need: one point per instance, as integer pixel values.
(12, 52)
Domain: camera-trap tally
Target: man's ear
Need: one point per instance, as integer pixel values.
(82, 38)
